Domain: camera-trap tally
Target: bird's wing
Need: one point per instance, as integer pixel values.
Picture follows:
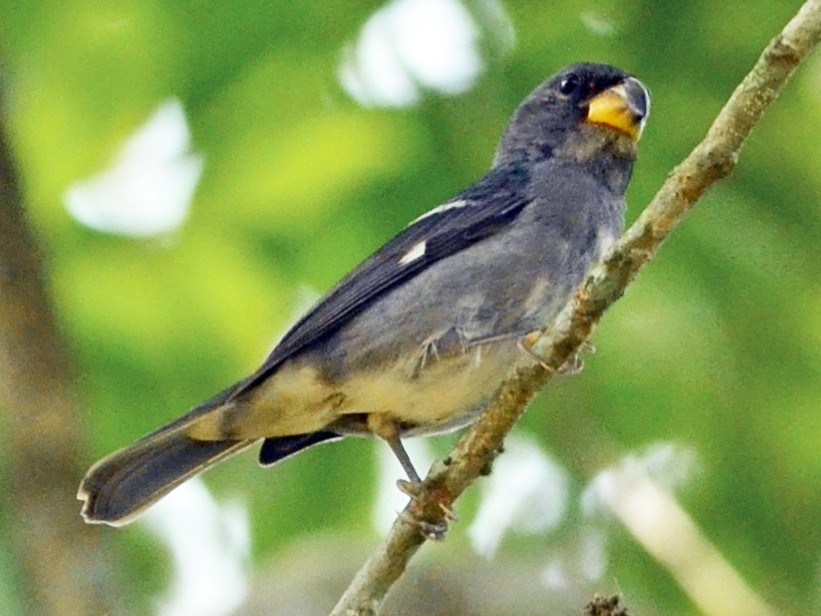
(482, 210)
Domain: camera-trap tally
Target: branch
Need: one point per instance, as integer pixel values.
(713, 159)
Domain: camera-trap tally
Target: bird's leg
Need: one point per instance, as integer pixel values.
(395, 443)
(419, 508)
(386, 429)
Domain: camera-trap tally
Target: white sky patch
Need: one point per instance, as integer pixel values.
(637, 492)
(417, 251)
(527, 492)
(671, 465)
(210, 546)
(598, 23)
(555, 575)
(389, 499)
(585, 560)
(593, 554)
(410, 45)
(149, 186)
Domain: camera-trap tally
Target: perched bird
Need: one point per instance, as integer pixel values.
(416, 339)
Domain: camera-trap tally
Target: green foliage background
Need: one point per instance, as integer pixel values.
(716, 346)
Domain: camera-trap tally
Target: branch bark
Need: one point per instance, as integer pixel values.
(61, 569)
(713, 159)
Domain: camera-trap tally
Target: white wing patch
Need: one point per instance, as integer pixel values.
(417, 251)
(450, 205)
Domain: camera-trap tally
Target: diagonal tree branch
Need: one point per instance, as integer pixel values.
(713, 159)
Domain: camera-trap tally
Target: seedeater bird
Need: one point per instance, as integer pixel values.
(416, 339)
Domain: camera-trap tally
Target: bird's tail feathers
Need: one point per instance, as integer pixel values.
(122, 485)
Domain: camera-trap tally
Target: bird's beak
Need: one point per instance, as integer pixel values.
(623, 108)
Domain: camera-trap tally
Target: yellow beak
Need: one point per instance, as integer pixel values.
(623, 108)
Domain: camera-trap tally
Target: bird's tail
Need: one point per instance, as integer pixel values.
(121, 486)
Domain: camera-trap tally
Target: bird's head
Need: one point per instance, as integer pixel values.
(583, 112)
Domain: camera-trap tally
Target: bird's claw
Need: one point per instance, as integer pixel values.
(429, 510)
(525, 344)
(575, 364)
(434, 531)
(412, 489)
(572, 366)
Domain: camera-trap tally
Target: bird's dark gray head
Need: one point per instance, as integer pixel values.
(584, 112)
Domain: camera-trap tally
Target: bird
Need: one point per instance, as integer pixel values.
(416, 339)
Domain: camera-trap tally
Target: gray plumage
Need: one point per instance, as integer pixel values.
(416, 338)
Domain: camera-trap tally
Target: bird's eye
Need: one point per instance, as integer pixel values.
(569, 83)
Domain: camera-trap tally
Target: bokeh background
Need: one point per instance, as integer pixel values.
(197, 173)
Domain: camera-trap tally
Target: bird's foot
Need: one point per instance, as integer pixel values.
(572, 366)
(575, 364)
(430, 508)
(413, 489)
(433, 531)
(525, 345)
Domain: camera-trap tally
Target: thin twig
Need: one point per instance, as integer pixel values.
(713, 159)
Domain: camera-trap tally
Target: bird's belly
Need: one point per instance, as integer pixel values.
(447, 394)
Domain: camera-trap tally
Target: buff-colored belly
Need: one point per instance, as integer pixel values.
(438, 396)
(297, 400)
